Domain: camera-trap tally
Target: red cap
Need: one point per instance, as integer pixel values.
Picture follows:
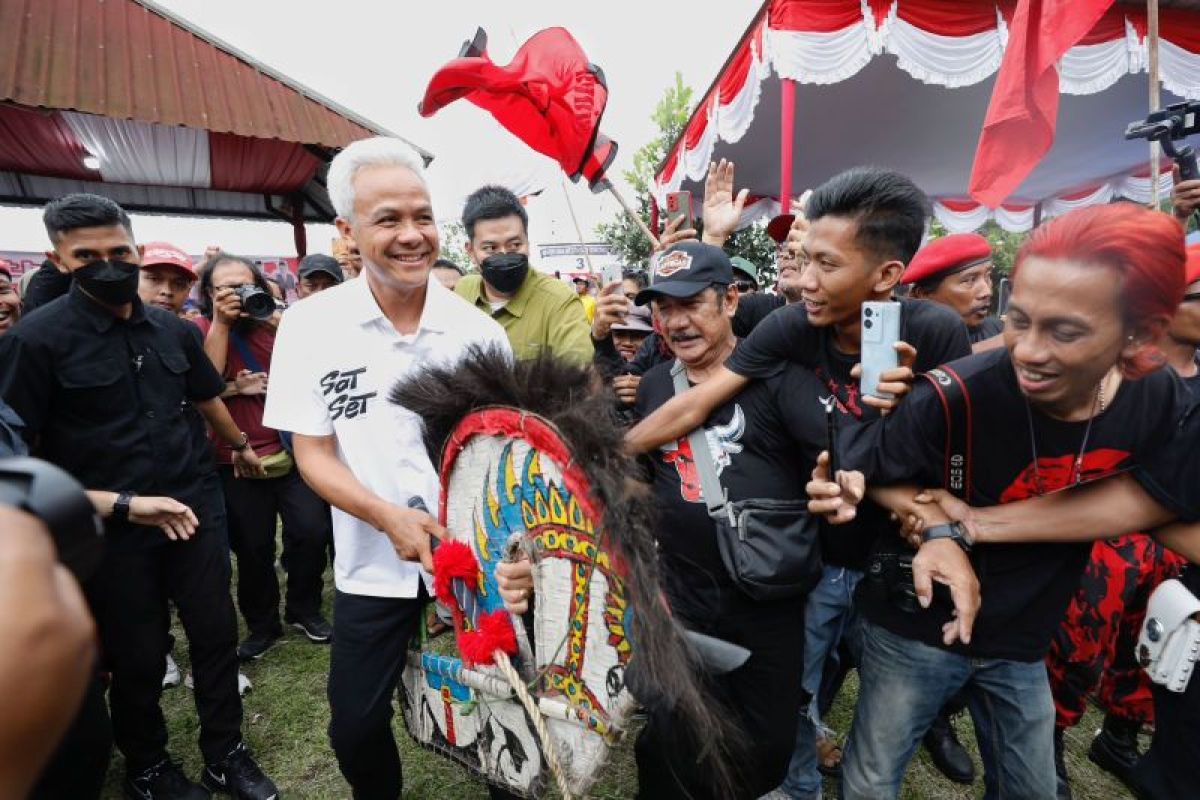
(947, 255)
(779, 226)
(1191, 271)
(165, 253)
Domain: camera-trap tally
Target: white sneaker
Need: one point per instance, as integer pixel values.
(171, 675)
(244, 684)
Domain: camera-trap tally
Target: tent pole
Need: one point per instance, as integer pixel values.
(1037, 214)
(299, 234)
(578, 233)
(787, 123)
(653, 213)
(1155, 99)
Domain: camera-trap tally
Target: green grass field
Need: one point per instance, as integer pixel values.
(286, 716)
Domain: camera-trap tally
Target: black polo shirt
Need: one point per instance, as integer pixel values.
(103, 397)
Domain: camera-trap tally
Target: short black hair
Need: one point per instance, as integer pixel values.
(80, 210)
(491, 202)
(637, 276)
(446, 263)
(889, 208)
(206, 282)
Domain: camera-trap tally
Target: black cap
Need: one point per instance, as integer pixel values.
(318, 262)
(686, 269)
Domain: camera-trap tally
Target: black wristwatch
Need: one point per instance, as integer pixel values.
(237, 448)
(949, 530)
(120, 511)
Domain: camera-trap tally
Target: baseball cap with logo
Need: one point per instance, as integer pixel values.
(165, 253)
(686, 269)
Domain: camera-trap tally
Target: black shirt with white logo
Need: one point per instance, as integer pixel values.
(104, 398)
(785, 336)
(1025, 587)
(764, 444)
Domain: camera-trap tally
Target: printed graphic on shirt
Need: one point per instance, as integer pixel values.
(846, 393)
(724, 441)
(340, 390)
(1060, 472)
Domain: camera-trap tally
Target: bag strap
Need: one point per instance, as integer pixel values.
(956, 407)
(715, 496)
(243, 349)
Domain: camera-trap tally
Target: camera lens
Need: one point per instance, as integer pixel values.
(866, 323)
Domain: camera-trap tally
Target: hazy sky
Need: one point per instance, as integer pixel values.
(376, 57)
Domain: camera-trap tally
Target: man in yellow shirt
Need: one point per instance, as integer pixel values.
(582, 288)
(538, 312)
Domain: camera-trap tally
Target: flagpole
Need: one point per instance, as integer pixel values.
(1155, 99)
(632, 214)
(578, 233)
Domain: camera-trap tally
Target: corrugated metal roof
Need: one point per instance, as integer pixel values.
(131, 59)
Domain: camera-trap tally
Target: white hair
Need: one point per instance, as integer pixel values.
(380, 151)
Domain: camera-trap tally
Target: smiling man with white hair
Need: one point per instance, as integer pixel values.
(337, 355)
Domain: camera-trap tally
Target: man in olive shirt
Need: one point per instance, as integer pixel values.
(537, 312)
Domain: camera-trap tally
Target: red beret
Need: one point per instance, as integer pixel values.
(779, 226)
(1191, 271)
(947, 255)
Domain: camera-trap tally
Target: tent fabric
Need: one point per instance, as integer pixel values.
(947, 55)
(138, 152)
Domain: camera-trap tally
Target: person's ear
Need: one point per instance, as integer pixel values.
(57, 261)
(1146, 334)
(470, 251)
(887, 275)
(731, 300)
(343, 226)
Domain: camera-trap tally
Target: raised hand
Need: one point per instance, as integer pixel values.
(722, 209)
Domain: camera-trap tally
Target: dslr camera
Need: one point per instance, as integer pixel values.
(1168, 126)
(60, 502)
(258, 304)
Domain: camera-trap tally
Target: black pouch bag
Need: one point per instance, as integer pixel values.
(770, 548)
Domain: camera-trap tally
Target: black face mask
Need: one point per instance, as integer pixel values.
(505, 272)
(113, 283)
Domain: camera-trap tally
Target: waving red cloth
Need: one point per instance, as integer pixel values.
(549, 96)
(1019, 127)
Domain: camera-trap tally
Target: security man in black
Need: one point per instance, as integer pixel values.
(100, 380)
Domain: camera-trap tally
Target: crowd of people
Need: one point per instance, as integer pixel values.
(982, 534)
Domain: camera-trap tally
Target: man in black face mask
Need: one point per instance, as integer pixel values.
(537, 312)
(100, 381)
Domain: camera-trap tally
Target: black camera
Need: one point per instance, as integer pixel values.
(256, 302)
(1168, 126)
(53, 496)
(890, 577)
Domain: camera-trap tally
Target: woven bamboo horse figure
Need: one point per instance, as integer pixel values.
(529, 457)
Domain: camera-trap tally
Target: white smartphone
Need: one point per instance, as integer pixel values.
(880, 332)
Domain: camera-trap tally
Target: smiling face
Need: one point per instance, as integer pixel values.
(393, 226)
(1064, 332)
(10, 304)
(164, 286)
(837, 275)
(968, 292)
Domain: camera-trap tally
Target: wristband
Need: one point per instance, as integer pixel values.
(949, 530)
(120, 511)
(238, 448)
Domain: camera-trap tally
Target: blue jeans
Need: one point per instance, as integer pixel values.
(902, 685)
(827, 617)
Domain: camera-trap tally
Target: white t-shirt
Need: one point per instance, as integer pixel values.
(336, 358)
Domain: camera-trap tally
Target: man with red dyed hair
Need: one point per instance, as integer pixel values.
(1072, 397)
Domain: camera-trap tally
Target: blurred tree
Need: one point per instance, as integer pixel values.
(453, 245)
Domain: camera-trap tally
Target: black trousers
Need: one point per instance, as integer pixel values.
(370, 642)
(135, 583)
(763, 698)
(252, 505)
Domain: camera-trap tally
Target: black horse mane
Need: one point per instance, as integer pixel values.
(666, 669)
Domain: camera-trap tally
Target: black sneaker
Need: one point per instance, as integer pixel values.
(947, 752)
(164, 781)
(1115, 748)
(313, 626)
(256, 644)
(239, 776)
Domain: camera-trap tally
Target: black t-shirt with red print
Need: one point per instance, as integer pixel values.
(1025, 587)
(764, 444)
(785, 336)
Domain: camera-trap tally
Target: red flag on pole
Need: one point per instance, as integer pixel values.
(1019, 127)
(549, 96)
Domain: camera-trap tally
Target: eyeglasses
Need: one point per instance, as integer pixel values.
(746, 286)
